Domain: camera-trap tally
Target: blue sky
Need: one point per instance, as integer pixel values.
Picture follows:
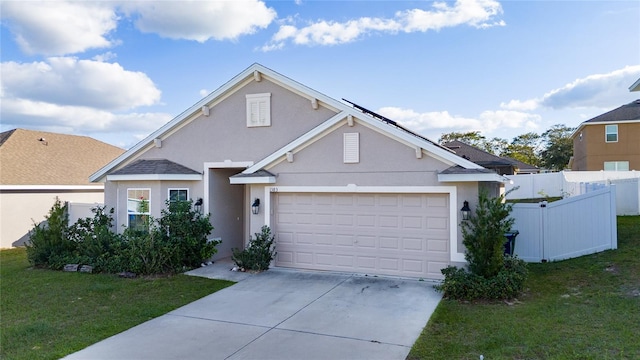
(118, 70)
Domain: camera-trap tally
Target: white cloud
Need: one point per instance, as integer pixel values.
(59, 27)
(23, 113)
(69, 81)
(476, 13)
(443, 121)
(602, 91)
(200, 20)
(599, 90)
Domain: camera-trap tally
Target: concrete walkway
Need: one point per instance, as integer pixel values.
(283, 314)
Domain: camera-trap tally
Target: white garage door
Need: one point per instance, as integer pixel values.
(388, 234)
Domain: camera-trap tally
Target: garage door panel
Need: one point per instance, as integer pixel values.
(392, 234)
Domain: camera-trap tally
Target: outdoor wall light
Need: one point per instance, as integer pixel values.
(466, 211)
(255, 207)
(198, 205)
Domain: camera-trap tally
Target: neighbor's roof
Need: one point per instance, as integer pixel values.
(630, 111)
(522, 166)
(476, 155)
(30, 157)
(625, 113)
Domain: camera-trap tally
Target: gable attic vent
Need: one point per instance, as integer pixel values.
(351, 148)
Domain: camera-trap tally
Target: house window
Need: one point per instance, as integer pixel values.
(258, 110)
(178, 195)
(616, 166)
(611, 133)
(351, 148)
(138, 208)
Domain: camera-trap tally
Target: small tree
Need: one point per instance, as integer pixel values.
(49, 245)
(483, 235)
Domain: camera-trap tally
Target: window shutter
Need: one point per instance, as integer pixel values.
(351, 148)
(258, 110)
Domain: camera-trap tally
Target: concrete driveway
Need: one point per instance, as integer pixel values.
(284, 314)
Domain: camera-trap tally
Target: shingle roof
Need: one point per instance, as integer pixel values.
(460, 170)
(521, 165)
(158, 166)
(476, 155)
(630, 111)
(30, 157)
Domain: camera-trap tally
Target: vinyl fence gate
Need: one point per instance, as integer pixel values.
(567, 228)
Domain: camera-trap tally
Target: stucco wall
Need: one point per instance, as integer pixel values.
(383, 161)
(19, 210)
(593, 150)
(224, 134)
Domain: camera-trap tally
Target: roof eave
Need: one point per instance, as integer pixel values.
(155, 177)
(472, 177)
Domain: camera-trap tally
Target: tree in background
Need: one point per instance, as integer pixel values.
(558, 147)
(473, 138)
(551, 150)
(524, 148)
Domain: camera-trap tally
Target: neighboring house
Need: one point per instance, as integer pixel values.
(608, 141)
(501, 165)
(36, 167)
(342, 188)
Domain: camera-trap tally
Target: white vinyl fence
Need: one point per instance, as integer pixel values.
(79, 211)
(572, 183)
(567, 228)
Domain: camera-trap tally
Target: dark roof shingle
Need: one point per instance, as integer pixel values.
(630, 111)
(158, 166)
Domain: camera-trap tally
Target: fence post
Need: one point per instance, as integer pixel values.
(613, 213)
(543, 229)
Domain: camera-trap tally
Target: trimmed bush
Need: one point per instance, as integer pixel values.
(460, 284)
(258, 254)
(96, 244)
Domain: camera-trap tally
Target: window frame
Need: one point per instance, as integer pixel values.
(169, 190)
(607, 132)
(616, 165)
(137, 212)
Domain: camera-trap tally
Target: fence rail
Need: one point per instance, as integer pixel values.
(567, 228)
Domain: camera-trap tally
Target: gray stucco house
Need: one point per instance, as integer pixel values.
(342, 188)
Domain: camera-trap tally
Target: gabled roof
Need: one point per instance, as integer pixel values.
(625, 113)
(628, 112)
(257, 71)
(635, 86)
(44, 158)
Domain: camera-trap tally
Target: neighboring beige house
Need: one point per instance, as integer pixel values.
(342, 188)
(608, 141)
(36, 167)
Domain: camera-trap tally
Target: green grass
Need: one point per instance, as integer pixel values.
(49, 314)
(583, 308)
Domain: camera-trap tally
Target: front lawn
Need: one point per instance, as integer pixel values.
(49, 314)
(584, 308)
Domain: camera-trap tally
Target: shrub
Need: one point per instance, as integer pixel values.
(258, 254)
(96, 244)
(147, 252)
(186, 231)
(492, 275)
(460, 284)
(483, 235)
(49, 245)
